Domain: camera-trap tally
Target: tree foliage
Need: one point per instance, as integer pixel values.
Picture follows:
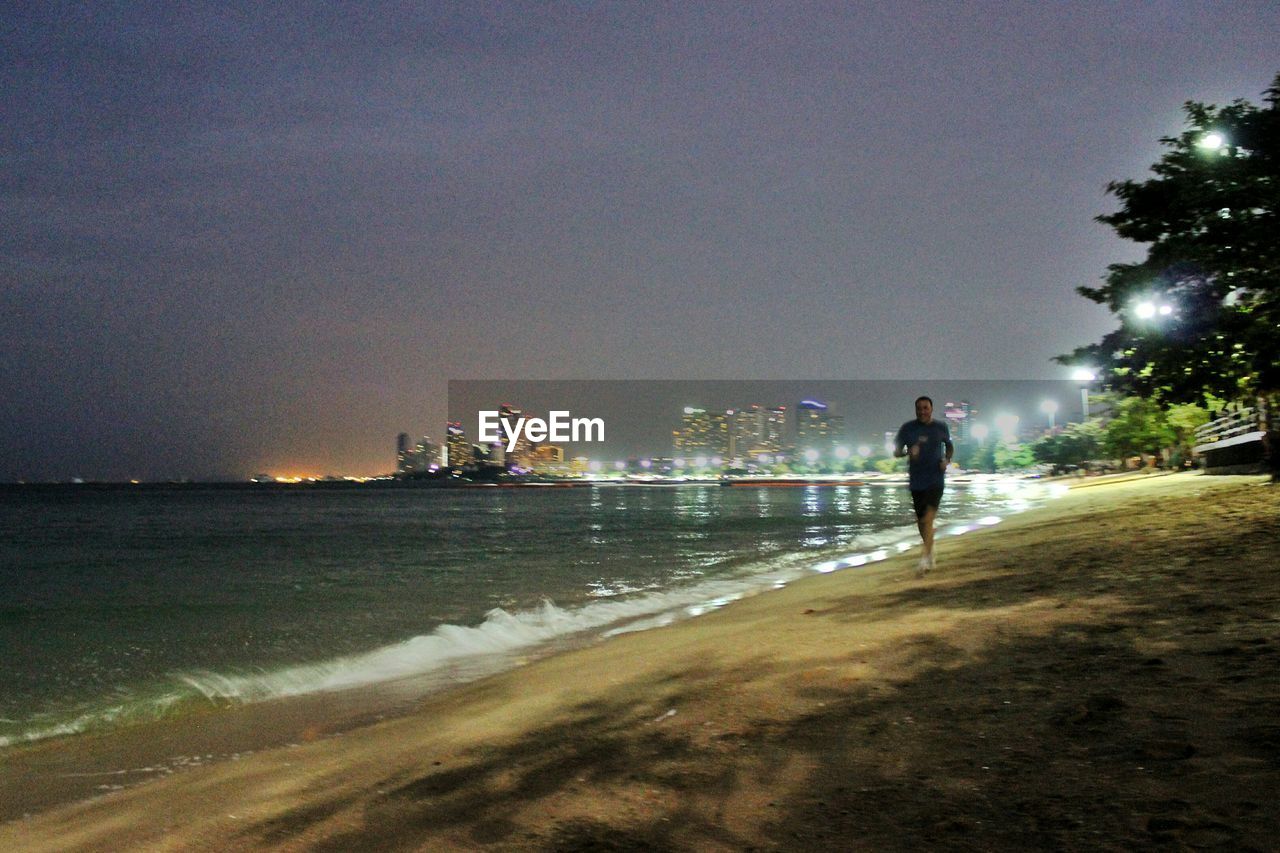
(1210, 218)
(1075, 445)
(1139, 427)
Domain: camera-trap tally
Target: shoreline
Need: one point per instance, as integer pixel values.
(388, 693)
(743, 690)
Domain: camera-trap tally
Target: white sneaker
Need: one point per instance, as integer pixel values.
(923, 567)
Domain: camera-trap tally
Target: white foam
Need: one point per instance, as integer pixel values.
(616, 610)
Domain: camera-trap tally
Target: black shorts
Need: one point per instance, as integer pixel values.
(926, 499)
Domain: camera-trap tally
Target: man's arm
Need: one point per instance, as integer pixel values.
(899, 446)
(951, 449)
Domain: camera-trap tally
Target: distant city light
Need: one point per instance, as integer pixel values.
(1083, 374)
(645, 463)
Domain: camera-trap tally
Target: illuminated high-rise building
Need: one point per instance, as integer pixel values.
(522, 454)
(402, 452)
(426, 455)
(959, 417)
(774, 433)
(459, 453)
(701, 433)
(816, 427)
(746, 431)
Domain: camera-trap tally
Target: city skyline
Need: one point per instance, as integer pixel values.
(236, 239)
(642, 416)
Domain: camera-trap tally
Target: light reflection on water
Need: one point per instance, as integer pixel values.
(167, 581)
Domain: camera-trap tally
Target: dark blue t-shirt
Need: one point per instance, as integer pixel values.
(925, 471)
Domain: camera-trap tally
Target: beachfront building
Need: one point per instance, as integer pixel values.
(549, 459)
(756, 430)
(959, 417)
(458, 451)
(402, 452)
(816, 427)
(522, 454)
(418, 459)
(701, 433)
(774, 437)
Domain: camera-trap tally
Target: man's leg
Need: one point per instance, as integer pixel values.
(925, 523)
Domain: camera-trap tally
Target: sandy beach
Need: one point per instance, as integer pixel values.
(1101, 673)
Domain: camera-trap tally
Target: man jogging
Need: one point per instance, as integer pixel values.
(927, 444)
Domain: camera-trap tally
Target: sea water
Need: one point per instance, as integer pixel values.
(128, 603)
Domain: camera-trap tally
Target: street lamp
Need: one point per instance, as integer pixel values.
(1084, 376)
(1008, 427)
(980, 432)
(1212, 141)
(1050, 408)
(1150, 308)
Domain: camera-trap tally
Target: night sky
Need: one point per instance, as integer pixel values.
(239, 238)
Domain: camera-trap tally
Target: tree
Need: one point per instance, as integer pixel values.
(1011, 456)
(1210, 217)
(1075, 445)
(890, 465)
(1139, 427)
(1183, 420)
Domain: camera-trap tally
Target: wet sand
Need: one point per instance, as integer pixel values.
(1103, 673)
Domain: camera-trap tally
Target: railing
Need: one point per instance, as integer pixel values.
(1235, 427)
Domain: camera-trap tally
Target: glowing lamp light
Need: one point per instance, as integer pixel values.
(645, 463)
(716, 461)
(1083, 374)
(864, 450)
(842, 452)
(764, 459)
(1212, 141)
(1008, 426)
(595, 465)
(700, 462)
(620, 465)
(1145, 310)
(811, 456)
(678, 462)
(1165, 310)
